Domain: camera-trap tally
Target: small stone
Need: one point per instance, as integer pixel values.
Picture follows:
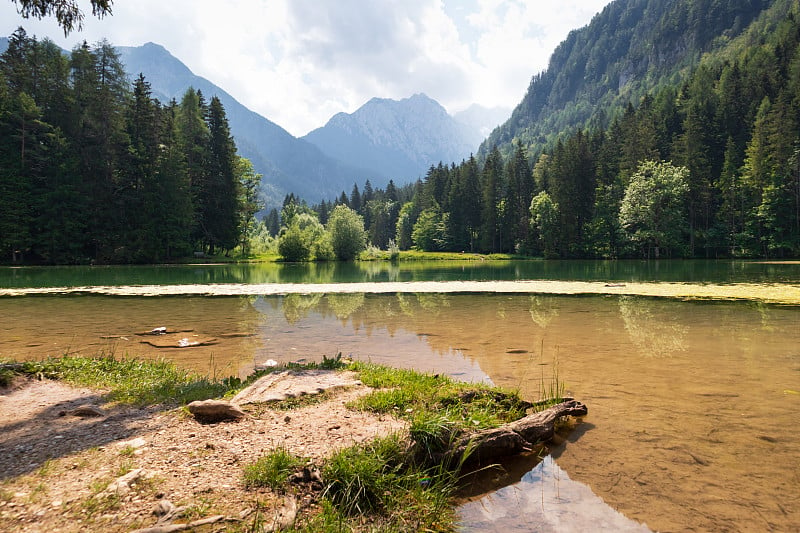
(136, 443)
(123, 484)
(163, 507)
(86, 411)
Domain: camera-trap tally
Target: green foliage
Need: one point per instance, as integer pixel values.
(347, 235)
(544, 219)
(380, 479)
(67, 13)
(93, 168)
(424, 397)
(653, 209)
(430, 231)
(303, 239)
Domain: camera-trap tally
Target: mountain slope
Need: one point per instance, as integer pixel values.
(399, 139)
(627, 50)
(287, 163)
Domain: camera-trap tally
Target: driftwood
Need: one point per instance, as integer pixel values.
(180, 343)
(170, 528)
(512, 438)
(162, 331)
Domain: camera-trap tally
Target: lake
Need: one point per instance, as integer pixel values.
(692, 403)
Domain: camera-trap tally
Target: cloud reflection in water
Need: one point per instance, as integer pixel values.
(545, 500)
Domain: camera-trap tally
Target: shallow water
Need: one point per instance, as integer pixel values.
(545, 500)
(692, 404)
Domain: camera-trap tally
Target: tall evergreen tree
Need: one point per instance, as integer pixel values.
(492, 178)
(220, 218)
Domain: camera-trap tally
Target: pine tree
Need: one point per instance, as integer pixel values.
(492, 178)
(194, 142)
(220, 201)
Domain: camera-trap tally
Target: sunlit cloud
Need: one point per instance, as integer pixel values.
(298, 62)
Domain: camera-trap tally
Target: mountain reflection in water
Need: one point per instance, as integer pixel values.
(545, 500)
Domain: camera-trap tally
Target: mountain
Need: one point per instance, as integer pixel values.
(481, 121)
(626, 51)
(398, 139)
(287, 163)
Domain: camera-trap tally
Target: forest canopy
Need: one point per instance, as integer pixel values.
(94, 169)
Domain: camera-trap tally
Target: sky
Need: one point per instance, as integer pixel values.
(299, 62)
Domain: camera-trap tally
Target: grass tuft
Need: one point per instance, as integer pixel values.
(382, 480)
(272, 470)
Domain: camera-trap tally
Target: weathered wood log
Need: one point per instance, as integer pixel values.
(181, 343)
(514, 437)
(171, 528)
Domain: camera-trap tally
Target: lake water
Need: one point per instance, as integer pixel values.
(692, 404)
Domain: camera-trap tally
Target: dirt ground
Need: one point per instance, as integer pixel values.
(56, 468)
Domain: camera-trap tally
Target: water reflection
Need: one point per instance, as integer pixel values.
(543, 310)
(653, 331)
(697, 271)
(545, 500)
(703, 437)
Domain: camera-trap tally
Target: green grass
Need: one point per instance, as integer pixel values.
(272, 470)
(416, 255)
(457, 405)
(131, 381)
(381, 480)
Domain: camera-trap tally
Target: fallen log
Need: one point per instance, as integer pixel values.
(180, 343)
(512, 438)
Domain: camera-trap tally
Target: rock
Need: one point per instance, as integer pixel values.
(163, 508)
(284, 516)
(136, 443)
(307, 475)
(215, 411)
(289, 384)
(87, 410)
(123, 484)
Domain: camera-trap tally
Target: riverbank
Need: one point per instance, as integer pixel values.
(93, 457)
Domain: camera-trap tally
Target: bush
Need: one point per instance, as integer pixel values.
(293, 245)
(348, 237)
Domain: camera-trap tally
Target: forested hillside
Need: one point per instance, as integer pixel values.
(706, 166)
(93, 169)
(630, 49)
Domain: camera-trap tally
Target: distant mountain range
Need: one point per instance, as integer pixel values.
(288, 164)
(384, 139)
(401, 139)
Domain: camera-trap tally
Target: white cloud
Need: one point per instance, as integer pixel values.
(298, 62)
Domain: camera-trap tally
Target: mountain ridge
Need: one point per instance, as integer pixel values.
(287, 163)
(399, 138)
